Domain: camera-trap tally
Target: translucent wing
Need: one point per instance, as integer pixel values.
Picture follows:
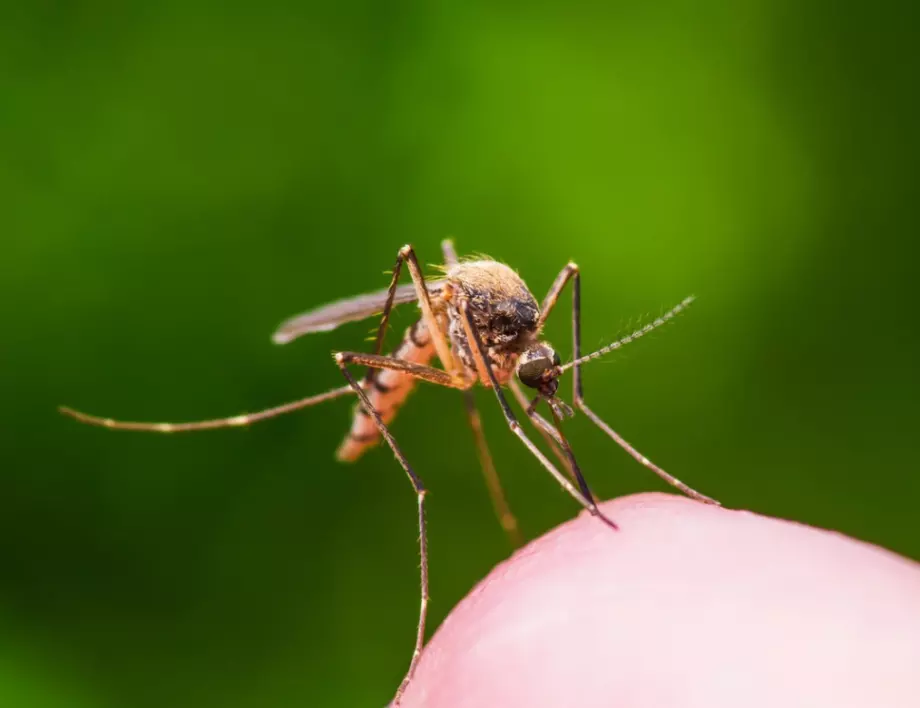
(328, 317)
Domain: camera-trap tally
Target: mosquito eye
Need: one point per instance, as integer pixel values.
(556, 360)
(531, 372)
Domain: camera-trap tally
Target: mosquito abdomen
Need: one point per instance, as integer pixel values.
(387, 391)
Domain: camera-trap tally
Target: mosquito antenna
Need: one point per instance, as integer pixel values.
(231, 422)
(642, 331)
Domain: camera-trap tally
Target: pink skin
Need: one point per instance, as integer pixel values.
(685, 606)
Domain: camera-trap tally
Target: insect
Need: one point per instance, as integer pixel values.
(483, 325)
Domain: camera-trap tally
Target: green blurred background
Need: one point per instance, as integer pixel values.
(179, 177)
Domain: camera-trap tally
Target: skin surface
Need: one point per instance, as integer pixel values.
(687, 605)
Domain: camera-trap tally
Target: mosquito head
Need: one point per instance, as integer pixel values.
(538, 367)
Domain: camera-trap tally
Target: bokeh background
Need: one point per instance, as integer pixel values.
(178, 177)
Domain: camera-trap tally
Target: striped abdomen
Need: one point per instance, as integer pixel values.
(387, 392)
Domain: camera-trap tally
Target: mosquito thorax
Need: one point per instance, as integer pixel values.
(536, 368)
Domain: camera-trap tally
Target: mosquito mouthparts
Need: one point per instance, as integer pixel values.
(561, 408)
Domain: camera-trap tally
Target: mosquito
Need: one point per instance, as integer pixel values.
(482, 323)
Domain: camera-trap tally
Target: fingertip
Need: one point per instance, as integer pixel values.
(683, 597)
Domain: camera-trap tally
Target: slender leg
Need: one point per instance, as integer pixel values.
(499, 503)
(248, 418)
(231, 422)
(570, 456)
(485, 369)
(642, 459)
(438, 337)
(420, 492)
(417, 371)
(541, 425)
(388, 306)
(549, 302)
(450, 254)
(384, 320)
(570, 272)
(407, 254)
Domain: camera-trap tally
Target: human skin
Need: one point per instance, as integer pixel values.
(685, 606)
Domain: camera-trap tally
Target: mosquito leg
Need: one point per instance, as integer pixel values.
(493, 483)
(417, 371)
(420, 492)
(553, 434)
(642, 459)
(407, 254)
(231, 422)
(384, 318)
(541, 425)
(571, 272)
(388, 306)
(450, 254)
(485, 367)
(570, 456)
(438, 337)
(549, 302)
(499, 503)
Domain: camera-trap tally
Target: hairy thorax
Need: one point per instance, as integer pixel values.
(504, 313)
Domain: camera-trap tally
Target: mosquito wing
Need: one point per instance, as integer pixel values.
(328, 317)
